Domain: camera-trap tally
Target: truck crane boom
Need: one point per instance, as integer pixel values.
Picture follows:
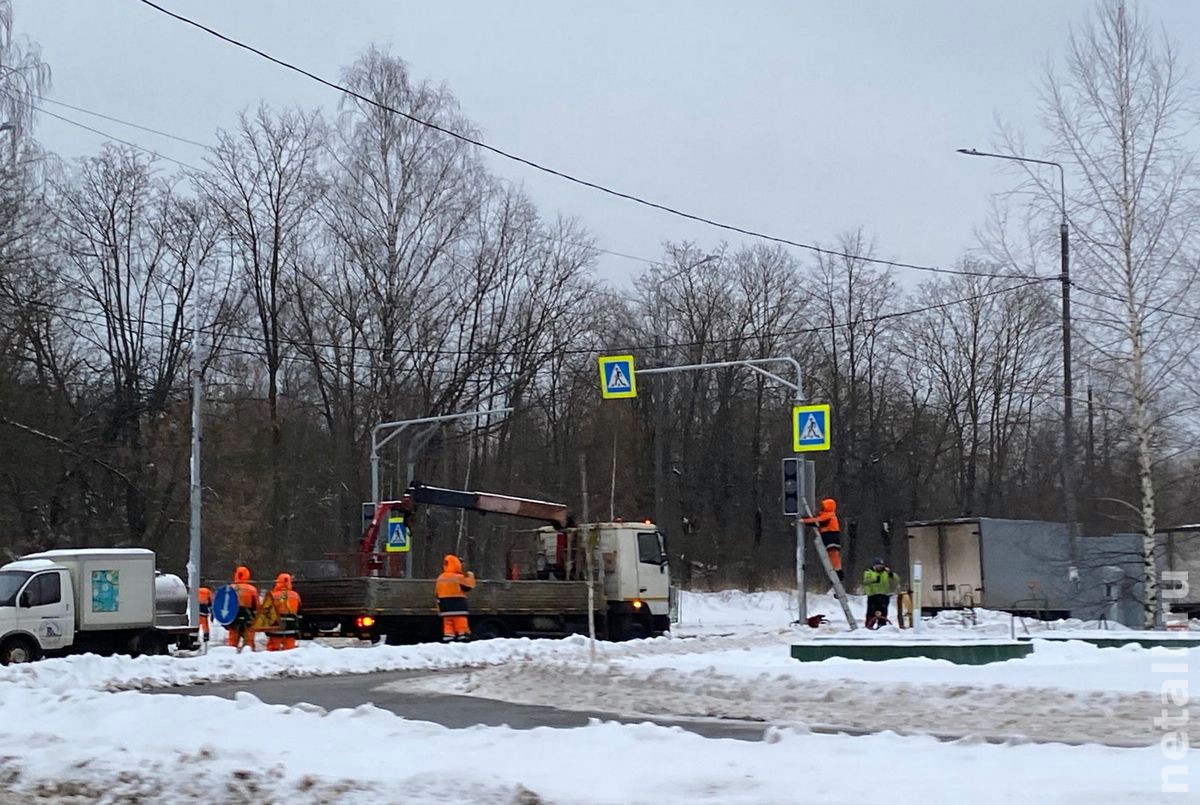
(555, 514)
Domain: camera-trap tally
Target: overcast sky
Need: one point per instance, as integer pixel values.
(801, 119)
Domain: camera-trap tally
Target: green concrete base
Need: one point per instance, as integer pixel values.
(957, 653)
(1117, 642)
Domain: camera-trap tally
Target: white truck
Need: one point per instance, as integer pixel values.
(105, 601)
(544, 594)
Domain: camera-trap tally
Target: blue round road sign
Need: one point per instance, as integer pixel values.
(225, 605)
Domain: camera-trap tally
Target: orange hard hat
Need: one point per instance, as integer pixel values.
(242, 574)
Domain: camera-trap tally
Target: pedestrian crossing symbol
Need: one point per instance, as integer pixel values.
(617, 379)
(397, 535)
(810, 428)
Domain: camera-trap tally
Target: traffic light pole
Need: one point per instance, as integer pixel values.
(756, 364)
(396, 429)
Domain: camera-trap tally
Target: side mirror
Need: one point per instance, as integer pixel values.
(26, 600)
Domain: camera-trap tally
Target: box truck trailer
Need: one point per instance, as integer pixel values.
(1024, 567)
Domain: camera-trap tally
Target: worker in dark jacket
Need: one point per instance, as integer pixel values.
(452, 589)
(878, 580)
(831, 533)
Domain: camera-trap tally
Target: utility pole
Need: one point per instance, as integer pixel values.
(1068, 466)
(1070, 502)
(1091, 443)
(193, 566)
(660, 434)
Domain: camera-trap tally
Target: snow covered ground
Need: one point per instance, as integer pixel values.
(80, 727)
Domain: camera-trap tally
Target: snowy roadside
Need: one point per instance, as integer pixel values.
(729, 622)
(839, 701)
(135, 747)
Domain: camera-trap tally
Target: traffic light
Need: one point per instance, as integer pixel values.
(791, 486)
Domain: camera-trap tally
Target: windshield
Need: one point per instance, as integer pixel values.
(10, 584)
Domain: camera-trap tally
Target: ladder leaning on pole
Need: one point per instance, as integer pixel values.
(838, 589)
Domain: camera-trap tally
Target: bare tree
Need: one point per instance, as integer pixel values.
(265, 182)
(1118, 115)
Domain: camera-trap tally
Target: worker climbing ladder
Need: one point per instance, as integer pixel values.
(838, 589)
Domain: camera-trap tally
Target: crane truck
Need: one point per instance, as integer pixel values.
(545, 593)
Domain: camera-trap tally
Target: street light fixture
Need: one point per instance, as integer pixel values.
(1068, 465)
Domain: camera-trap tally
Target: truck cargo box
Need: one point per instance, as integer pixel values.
(1024, 566)
(416, 596)
(114, 588)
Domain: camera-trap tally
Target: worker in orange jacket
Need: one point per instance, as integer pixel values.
(831, 533)
(241, 631)
(205, 596)
(287, 605)
(452, 588)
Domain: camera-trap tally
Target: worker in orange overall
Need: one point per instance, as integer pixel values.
(831, 533)
(241, 631)
(205, 596)
(287, 605)
(452, 588)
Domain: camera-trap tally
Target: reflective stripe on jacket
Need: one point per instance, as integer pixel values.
(452, 587)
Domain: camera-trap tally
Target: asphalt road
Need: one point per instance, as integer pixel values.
(334, 692)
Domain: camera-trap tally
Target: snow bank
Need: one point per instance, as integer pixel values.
(174, 749)
(731, 633)
(1070, 665)
(224, 664)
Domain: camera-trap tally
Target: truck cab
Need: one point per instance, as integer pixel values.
(35, 609)
(634, 574)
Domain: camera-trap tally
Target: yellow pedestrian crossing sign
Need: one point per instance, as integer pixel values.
(617, 379)
(810, 428)
(397, 535)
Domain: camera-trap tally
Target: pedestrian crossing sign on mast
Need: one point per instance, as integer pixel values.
(810, 428)
(617, 379)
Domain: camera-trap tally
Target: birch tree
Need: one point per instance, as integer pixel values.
(1118, 113)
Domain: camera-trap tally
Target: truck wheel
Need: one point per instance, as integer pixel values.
(17, 650)
(488, 630)
(149, 644)
(635, 630)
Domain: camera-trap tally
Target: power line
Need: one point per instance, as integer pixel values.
(562, 174)
(1157, 308)
(129, 123)
(113, 137)
(161, 133)
(312, 345)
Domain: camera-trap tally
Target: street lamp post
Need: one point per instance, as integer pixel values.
(1068, 462)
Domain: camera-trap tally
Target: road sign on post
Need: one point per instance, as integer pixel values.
(791, 487)
(810, 428)
(617, 380)
(225, 605)
(397, 535)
